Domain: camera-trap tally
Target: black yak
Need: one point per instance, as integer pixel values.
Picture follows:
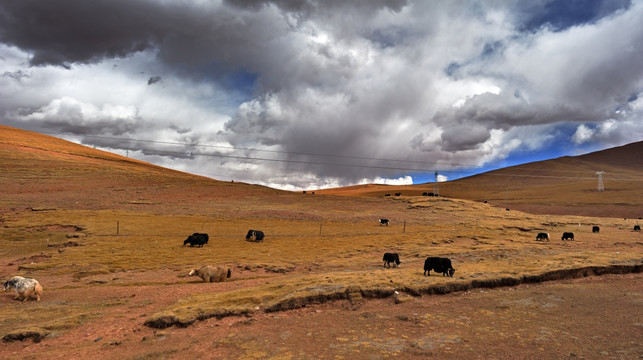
(391, 258)
(439, 265)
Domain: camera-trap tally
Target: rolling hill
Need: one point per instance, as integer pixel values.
(41, 171)
(566, 185)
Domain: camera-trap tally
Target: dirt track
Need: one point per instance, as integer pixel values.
(589, 318)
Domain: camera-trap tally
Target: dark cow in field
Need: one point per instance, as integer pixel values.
(387, 194)
(255, 235)
(637, 228)
(391, 258)
(568, 236)
(383, 222)
(439, 265)
(197, 239)
(542, 236)
(205, 236)
(398, 194)
(595, 229)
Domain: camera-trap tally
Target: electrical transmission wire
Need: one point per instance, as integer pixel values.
(319, 163)
(264, 150)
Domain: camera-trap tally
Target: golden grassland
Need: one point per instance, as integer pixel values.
(104, 236)
(295, 265)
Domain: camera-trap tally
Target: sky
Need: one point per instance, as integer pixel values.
(306, 94)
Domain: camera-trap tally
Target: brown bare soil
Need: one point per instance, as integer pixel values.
(104, 236)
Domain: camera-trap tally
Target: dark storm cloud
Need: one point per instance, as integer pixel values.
(349, 83)
(68, 32)
(75, 31)
(153, 80)
(308, 6)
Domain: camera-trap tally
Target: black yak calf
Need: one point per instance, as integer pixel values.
(391, 258)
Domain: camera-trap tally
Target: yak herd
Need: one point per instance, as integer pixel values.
(26, 288)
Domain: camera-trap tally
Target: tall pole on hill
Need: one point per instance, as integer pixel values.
(436, 187)
(600, 186)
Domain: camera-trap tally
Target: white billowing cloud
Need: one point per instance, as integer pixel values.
(332, 93)
(402, 180)
(115, 100)
(582, 134)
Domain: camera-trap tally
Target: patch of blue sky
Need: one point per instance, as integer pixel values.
(240, 81)
(559, 15)
(558, 144)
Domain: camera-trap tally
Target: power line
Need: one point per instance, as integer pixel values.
(386, 167)
(161, 152)
(263, 150)
(304, 162)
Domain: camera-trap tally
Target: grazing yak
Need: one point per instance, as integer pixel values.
(211, 273)
(542, 236)
(637, 228)
(398, 194)
(196, 239)
(391, 258)
(254, 235)
(24, 288)
(595, 229)
(383, 222)
(439, 265)
(567, 236)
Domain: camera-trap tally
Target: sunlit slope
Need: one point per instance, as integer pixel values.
(566, 185)
(40, 171)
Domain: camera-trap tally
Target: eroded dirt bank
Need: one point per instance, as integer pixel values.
(596, 317)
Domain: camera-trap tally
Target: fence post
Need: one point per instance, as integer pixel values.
(118, 225)
(320, 228)
(404, 230)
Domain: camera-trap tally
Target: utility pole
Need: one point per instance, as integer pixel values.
(436, 187)
(600, 186)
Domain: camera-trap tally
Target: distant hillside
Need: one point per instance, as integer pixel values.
(40, 171)
(565, 185)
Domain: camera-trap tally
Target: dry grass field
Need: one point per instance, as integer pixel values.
(104, 236)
